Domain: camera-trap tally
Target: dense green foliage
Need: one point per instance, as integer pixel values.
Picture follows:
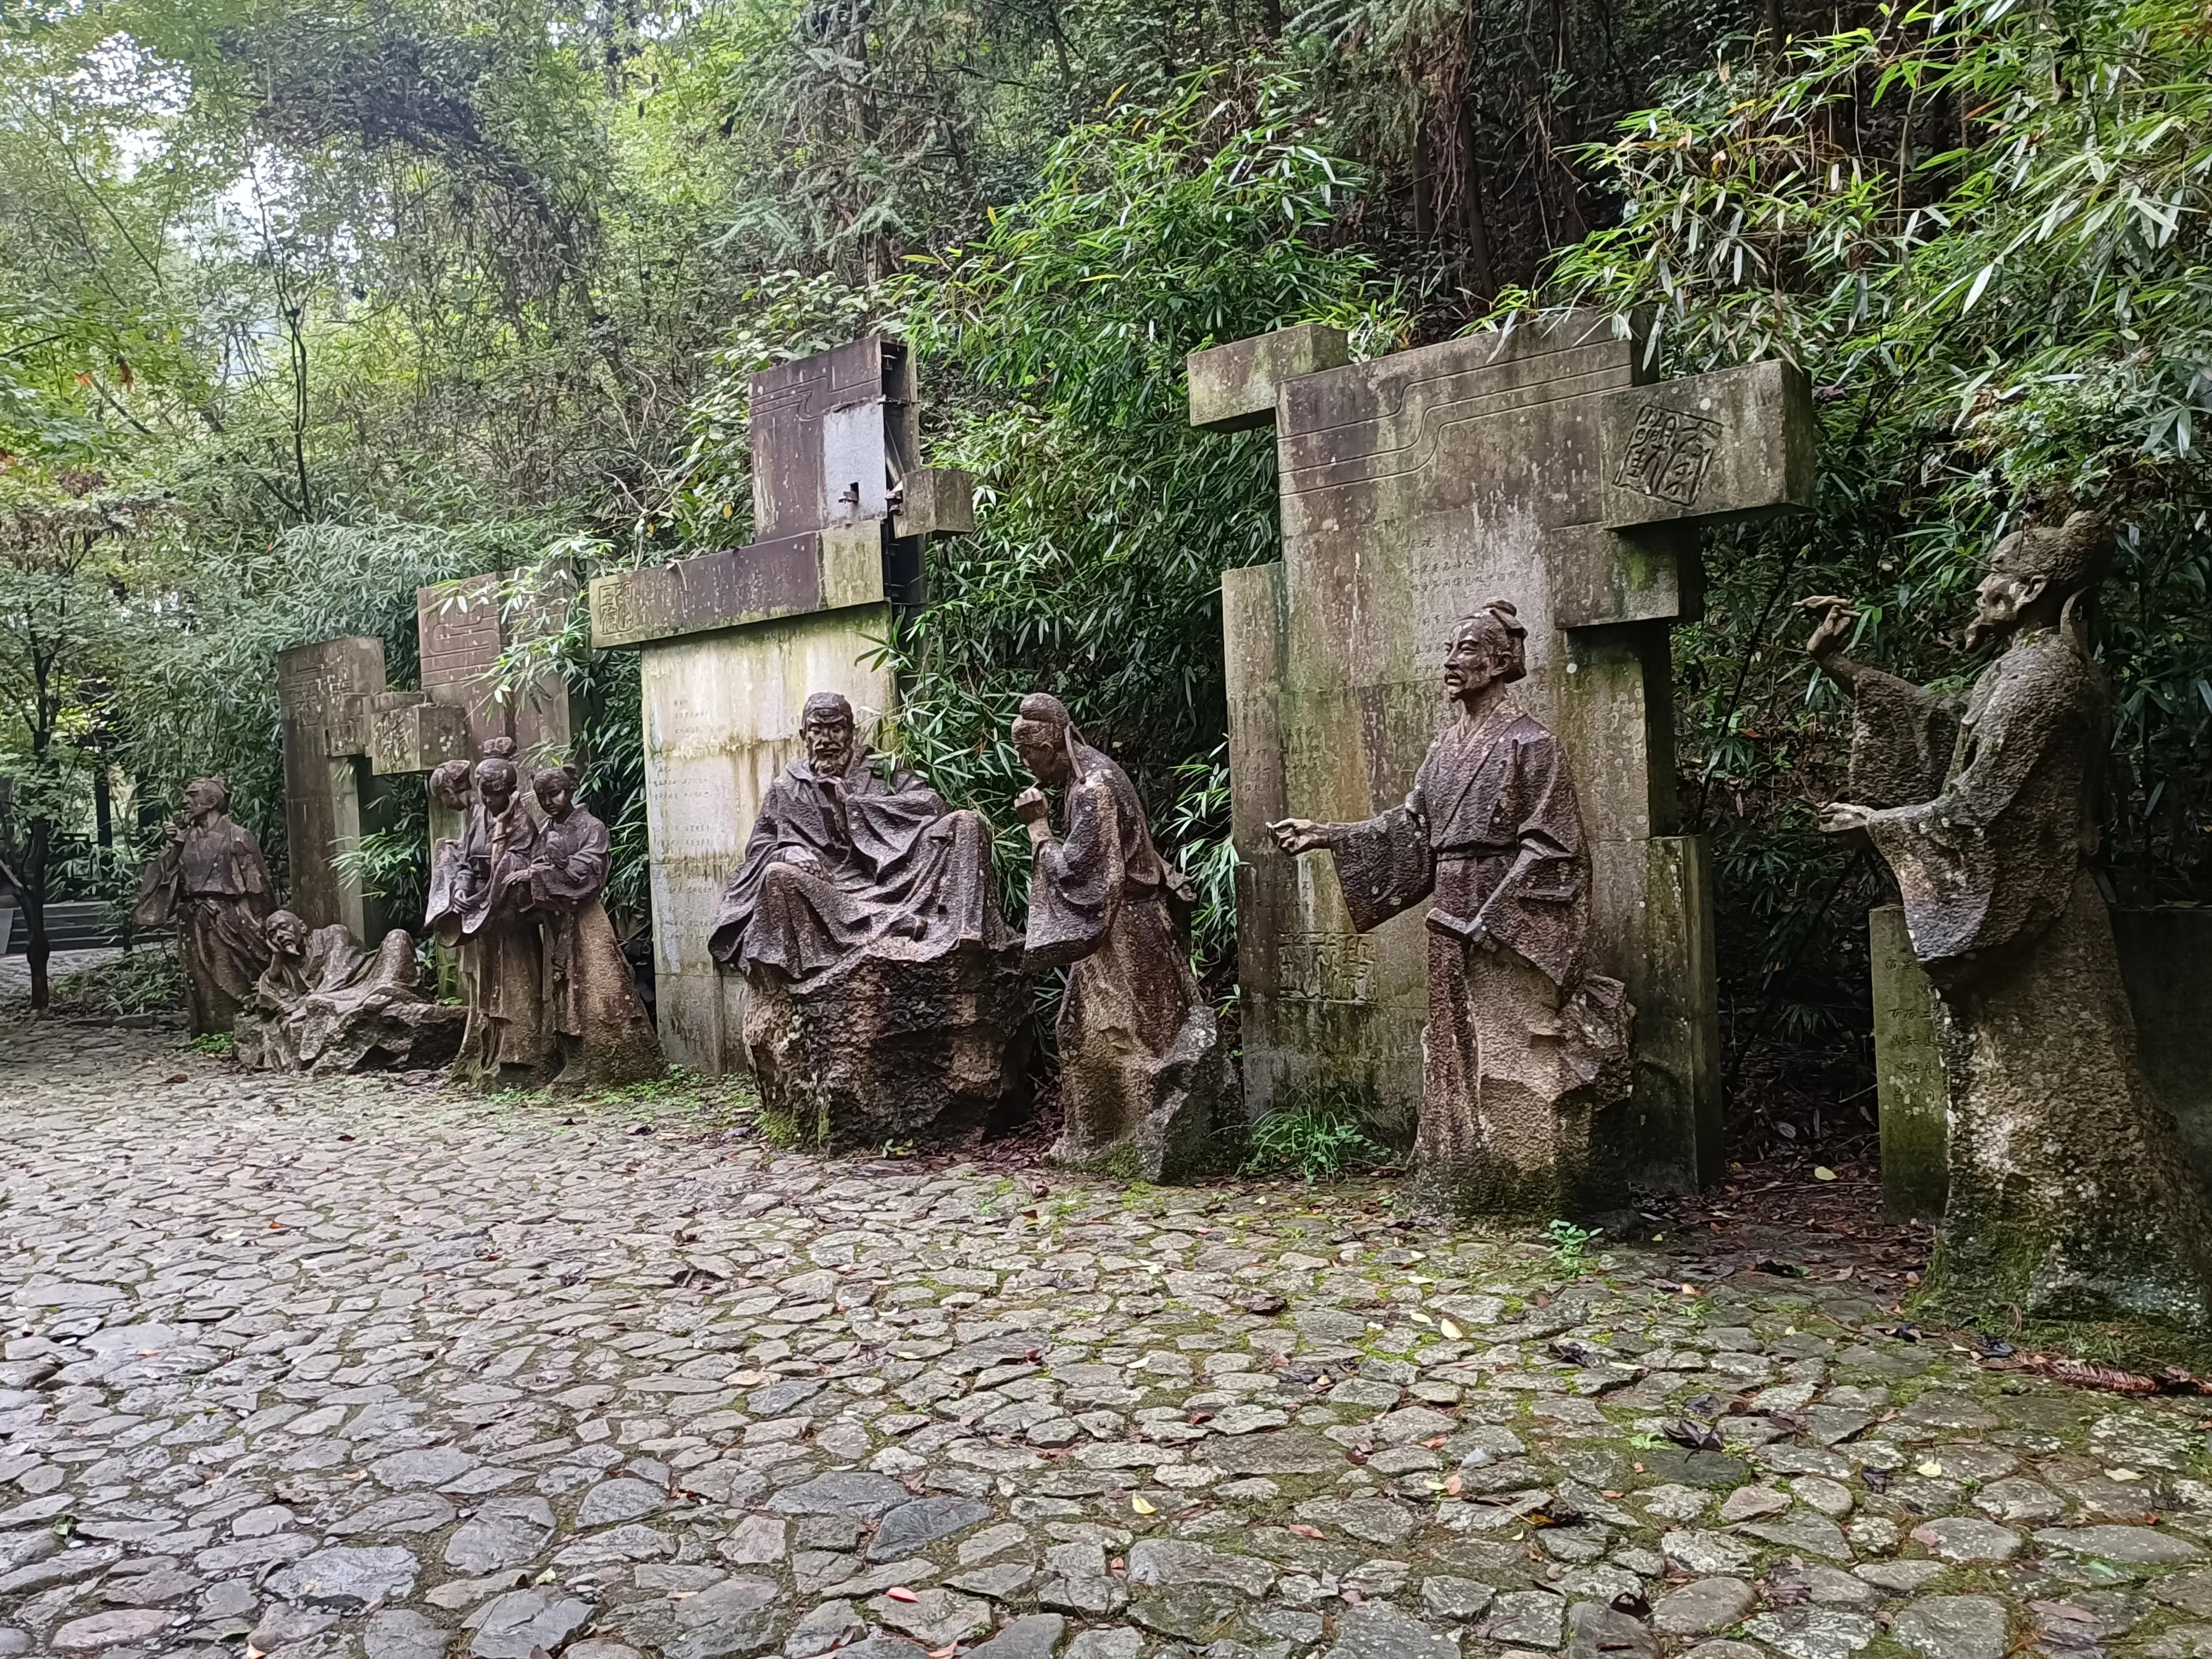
(302, 307)
(1984, 235)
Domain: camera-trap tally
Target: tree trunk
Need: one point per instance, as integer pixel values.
(36, 951)
(30, 898)
(1471, 214)
(103, 806)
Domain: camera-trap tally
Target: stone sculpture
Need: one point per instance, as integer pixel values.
(1540, 461)
(2069, 1194)
(730, 641)
(599, 1023)
(324, 1005)
(1142, 1080)
(480, 906)
(210, 880)
(1523, 1043)
(885, 992)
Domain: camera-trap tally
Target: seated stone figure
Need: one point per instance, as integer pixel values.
(850, 850)
(885, 992)
(324, 1004)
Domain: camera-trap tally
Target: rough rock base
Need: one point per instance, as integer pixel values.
(893, 1048)
(407, 1036)
(1184, 1121)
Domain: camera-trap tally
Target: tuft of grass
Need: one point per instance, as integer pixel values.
(146, 981)
(1318, 1137)
(213, 1042)
(1569, 1245)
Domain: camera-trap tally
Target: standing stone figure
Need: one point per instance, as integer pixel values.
(210, 880)
(2069, 1196)
(1142, 1077)
(324, 1005)
(480, 905)
(1522, 1042)
(452, 786)
(885, 996)
(598, 1019)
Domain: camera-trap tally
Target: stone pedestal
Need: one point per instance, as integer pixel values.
(893, 1050)
(2165, 961)
(1536, 467)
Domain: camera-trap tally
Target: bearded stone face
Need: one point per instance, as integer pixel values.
(286, 933)
(2006, 591)
(829, 740)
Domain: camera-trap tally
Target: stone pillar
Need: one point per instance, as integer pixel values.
(1913, 1093)
(734, 641)
(1537, 466)
(341, 727)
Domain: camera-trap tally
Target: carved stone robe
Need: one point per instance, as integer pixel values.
(1140, 1066)
(2069, 1196)
(1521, 1039)
(598, 1019)
(890, 859)
(214, 884)
(481, 908)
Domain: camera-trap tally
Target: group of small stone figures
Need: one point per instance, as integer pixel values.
(548, 997)
(886, 994)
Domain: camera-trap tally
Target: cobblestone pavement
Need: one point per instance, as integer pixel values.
(369, 1368)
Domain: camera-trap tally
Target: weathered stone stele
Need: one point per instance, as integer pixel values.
(1536, 463)
(344, 728)
(333, 701)
(735, 641)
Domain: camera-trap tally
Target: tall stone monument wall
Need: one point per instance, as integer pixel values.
(1534, 466)
(733, 641)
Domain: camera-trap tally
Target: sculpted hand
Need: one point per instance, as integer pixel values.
(1839, 816)
(804, 857)
(1298, 834)
(1833, 620)
(1035, 813)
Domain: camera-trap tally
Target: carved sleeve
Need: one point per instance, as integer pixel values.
(1383, 865)
(1076, 884)
(1991, 860)
(1902, 736)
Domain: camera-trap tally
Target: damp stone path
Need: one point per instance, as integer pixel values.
(368, 1368)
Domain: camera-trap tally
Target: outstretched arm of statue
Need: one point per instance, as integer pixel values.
(1296, 835)
(1834, 621)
